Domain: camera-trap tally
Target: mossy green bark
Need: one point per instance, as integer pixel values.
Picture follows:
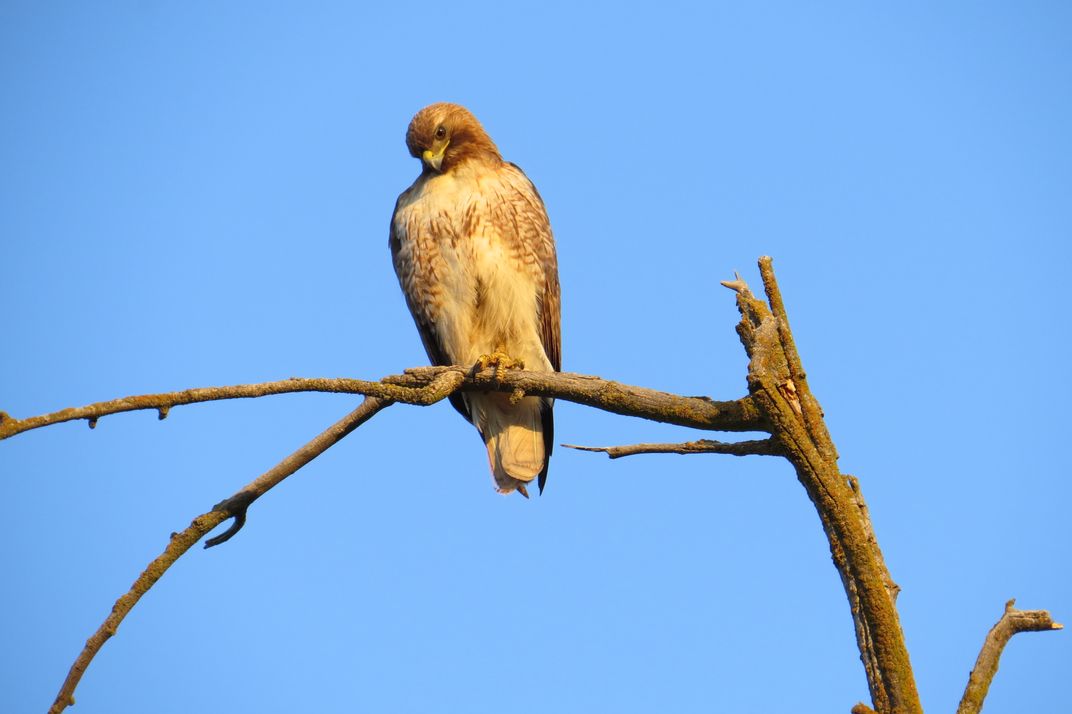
(779, 388)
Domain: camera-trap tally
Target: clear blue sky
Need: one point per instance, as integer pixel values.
(193, 195)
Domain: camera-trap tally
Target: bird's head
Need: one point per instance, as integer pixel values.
(444, 135)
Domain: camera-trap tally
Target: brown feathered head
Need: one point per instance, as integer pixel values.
(444, 135)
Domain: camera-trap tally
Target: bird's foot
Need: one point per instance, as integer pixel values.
(499, 360)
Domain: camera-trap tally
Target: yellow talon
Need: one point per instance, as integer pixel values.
(500, 360)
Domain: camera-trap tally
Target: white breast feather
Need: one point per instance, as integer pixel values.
(503, 319)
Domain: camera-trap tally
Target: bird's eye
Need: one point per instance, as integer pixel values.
(441, 132)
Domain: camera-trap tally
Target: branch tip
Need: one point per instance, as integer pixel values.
(738, 285)
(1012, 622)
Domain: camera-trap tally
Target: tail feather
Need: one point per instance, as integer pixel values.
(547, 419)
(518, 447)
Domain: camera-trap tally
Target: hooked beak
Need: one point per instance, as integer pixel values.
(433, 159)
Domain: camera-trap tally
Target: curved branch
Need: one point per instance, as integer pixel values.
(986, 666)
(424, 386)
(201, 526)
(757, 447)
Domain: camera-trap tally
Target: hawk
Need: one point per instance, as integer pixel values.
(474, 254)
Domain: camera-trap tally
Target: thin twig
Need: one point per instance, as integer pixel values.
(182, 542)
(412, 388)
(756, 447)
(738, 285)
(986, 666)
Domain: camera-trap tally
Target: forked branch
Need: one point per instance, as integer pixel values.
(422, 386)
(779, 402)
(778, 384)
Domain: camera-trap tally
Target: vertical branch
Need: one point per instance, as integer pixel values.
(779, 386)
(810, 409)
(865, 518)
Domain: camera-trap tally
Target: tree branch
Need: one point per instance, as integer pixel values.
(865, 518)
(780, 402)
(422, 386)
(779, 386)
(413, 388)
(809, 406)
(163, 402)
(181, 542)
(986, 666)
(758, 447)
(627, 400)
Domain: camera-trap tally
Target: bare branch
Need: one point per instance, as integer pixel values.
(201, 526)
(163, 402)
(780, 402)
(865, 517)
(986, 666)
(696, 412)
(179, 544)
(757, 447)
(427, 385)
(239, 503)
(780, 389)
(809, 407)
(421, 386)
